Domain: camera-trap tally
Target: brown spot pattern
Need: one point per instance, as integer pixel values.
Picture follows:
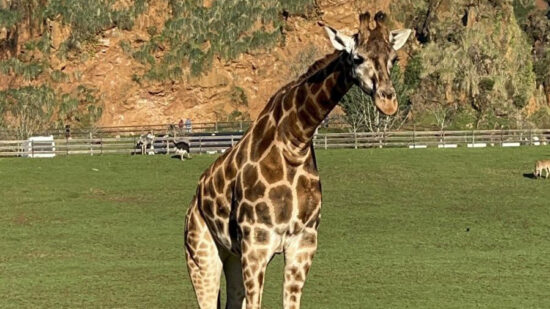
(288, 100)
(222, 208)
(246, 213)
(309, 166)
(250, 175)
(219, 181)
(322, 98)
(290, 173)
(309, 197)
(263, 215)
(241, 156)
(315, 87)
(271, 167)
(208, 207)
(307, 119)
(254, 192)
(281, 199)
(220, 225)
(301, 95)
(261, 236)
(308, 239)
(262, 145)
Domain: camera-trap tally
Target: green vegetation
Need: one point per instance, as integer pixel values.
(30, 110)
(426, 231)
(475, 60)
(303, 61)
(89, 18)
(29, 71)
(82, 109)
(536, 24)
(8, 18)
(85, 18)
(196, 34)
(238, 116)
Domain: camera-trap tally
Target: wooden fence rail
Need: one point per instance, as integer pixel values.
(218, 143)
(438, 139)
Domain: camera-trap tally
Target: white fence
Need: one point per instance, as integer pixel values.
(111, 145)
(218, 143)
(430, 139)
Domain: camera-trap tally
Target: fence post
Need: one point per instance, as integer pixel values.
(443, 137)
(326, 145)
(530, 137)
(501, 137)
(355, 139)
(200, 144)
(216, 127)
(91, 147)
(101, 145)
(473, 138)
(32, 149)
(67, 145)
(232, 141)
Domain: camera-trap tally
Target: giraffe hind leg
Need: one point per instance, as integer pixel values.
(234, 282)
(203, 262)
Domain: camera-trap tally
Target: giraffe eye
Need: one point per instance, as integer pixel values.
(357, 60)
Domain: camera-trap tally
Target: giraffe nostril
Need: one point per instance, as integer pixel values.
(387, 94)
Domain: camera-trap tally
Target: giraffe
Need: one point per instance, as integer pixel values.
(263, 196)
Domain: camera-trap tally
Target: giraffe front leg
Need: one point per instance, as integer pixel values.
(254, 260)
(298, 257)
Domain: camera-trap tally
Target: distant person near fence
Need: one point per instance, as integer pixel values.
(180, 126)
(188, 125)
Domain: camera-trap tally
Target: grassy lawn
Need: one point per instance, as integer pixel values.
(455, 228)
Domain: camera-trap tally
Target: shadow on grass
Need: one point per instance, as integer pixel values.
(179, 158)
(530, 175)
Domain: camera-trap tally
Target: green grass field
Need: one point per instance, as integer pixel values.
(455, 228)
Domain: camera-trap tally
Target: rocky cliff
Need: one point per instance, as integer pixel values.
(106, 64)
(235, 88)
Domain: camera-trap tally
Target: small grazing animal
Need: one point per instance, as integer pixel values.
(142, 144)
(542, 165)
(150, 137)
(146, 141)
(183, 150)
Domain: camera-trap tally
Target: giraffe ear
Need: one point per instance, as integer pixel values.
(340, 41)
(398, 38)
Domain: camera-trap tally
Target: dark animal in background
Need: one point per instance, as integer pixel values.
(183, 149)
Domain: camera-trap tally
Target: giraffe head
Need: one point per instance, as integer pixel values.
(371, 53)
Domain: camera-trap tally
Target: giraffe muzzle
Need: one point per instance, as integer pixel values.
(388, 106)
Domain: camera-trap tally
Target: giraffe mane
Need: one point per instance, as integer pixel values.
(315, 68)
(318, 66)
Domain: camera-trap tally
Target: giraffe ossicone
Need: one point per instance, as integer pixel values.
(263, 196)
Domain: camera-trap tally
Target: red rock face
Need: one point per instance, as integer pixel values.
(209, 98)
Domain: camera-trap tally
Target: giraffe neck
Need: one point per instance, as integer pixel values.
(302, 106)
